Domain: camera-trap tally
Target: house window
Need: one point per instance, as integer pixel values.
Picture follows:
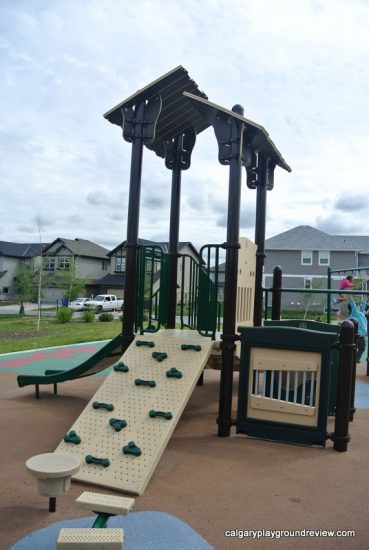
(64, 262)
(120, 264)
(306, 257)
(308, 282)
(49, 263)
(5, 290)
(104, 265)
(324, 258)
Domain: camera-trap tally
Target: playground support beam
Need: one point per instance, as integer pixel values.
(139, 123)
(260, 220)
(177, 158)
(234, 136)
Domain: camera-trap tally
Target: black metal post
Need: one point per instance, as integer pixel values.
(261, 198)
(174, 235)
(276, 293)
(343, 400)
(353, 372)
(130, 284)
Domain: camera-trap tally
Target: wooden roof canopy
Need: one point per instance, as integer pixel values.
(185, 107)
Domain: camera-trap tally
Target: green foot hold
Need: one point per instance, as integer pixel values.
(150, 383)
(166, 415)
(72, 437)
(185, 347)
(105, 462)
(107, 406)
(145, 343)
(131, 449)
(121, 367)
(159, 355)
(117, 424)
(173, 373)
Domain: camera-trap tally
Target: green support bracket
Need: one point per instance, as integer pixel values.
(121, 367)
(101, 520)
(131, 449)
(107, 406)
(117, 424)
(145, 343)
(159, 355)
(166, 415)
(72, 437)
(150, 383)
(173, 373)
(105, 462)
(186, 347)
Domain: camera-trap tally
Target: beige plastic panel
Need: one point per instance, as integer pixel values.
(90, 539)
(266, 408)
(97, 502)
(246, 282)
(133, 403)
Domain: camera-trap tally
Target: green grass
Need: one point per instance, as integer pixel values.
(22, 332)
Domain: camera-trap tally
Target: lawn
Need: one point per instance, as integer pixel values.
(19, 333)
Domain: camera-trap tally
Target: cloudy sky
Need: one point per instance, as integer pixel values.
(300, 69)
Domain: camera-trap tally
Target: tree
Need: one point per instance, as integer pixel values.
(307, 297)
(67, 280)
(25, 282)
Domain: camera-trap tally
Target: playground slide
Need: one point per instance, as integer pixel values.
(92, 365)
(123, 431)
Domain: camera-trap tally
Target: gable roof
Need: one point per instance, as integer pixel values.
(20, 250)
(163, 245)
(305, 237)
(78, 247)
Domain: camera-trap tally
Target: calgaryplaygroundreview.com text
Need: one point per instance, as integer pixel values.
(290, 533)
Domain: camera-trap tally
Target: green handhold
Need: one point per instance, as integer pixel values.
(145, 343)
(159, 355)
(173, 373)
(107, 406)
(195, 347)
(121, 367)
(72, 437)
(150, 383)
(166, 415)
(117, 424)
(131, 449)
(105, 462)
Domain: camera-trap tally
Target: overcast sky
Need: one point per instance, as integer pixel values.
(299, 68)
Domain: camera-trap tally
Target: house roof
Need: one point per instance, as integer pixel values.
(21, 250)
(305, 237)
(78, 247)
(177, 114)
(163, 245)
(110, 280)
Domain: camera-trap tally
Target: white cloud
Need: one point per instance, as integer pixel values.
(298, 68)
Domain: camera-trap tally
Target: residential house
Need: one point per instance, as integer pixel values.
(305, 253)
(12, 255)
(89, 261)
(113, 282)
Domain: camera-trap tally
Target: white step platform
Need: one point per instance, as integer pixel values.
(133, 403)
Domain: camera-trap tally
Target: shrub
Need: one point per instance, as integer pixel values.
(88, 316)
(106, 317)
(64, 315)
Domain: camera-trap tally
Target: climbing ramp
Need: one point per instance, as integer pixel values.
(137, 409)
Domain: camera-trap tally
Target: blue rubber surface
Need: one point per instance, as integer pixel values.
(142, 531)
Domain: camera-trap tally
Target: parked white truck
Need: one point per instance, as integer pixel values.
(103, 302)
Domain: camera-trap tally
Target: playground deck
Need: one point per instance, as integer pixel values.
(213, 484)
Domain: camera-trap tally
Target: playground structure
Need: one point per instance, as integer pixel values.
(122, 432)
(166, 116)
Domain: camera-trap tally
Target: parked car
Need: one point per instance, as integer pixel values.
(77, 305)
(103, 302)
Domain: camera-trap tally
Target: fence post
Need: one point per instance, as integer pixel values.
(353, 379)
(343, 400)
(276, 293)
